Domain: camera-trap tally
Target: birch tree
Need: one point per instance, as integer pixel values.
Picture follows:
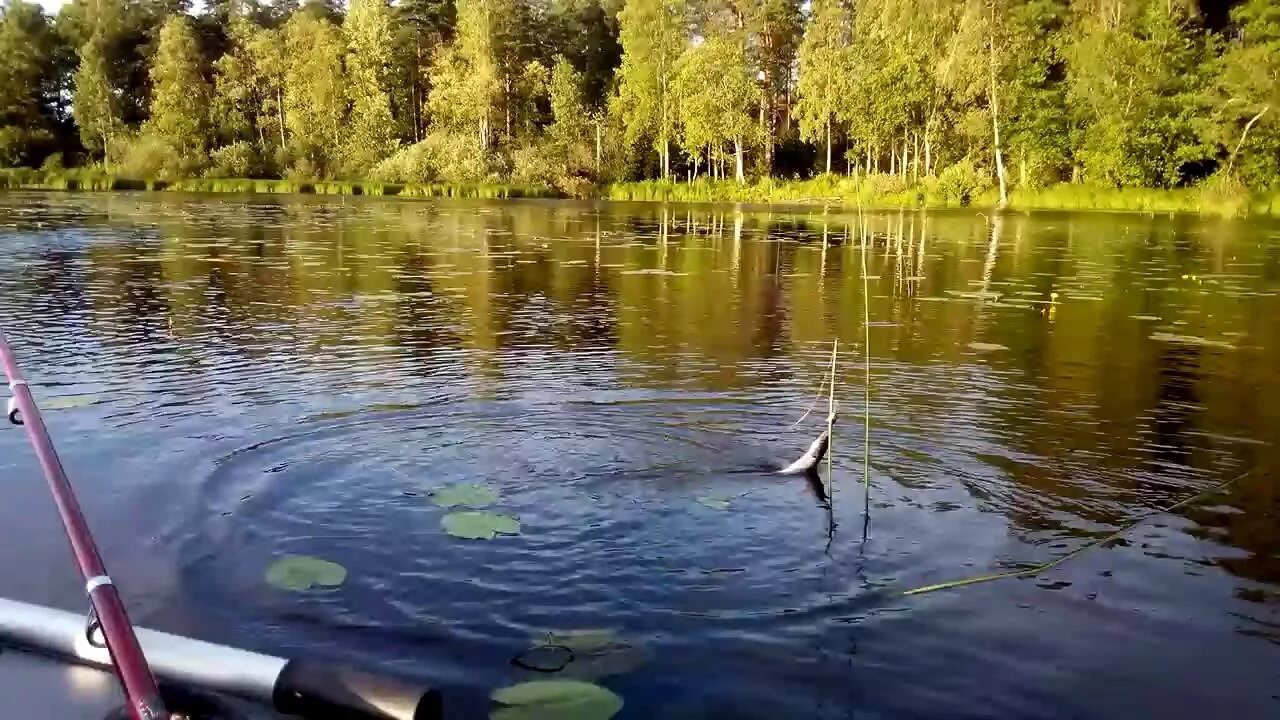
(370, 41)
(824, 75)
(653, 34)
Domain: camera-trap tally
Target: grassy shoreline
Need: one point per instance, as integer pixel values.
(843, 192)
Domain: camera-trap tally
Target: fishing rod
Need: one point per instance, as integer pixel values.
(141, 693)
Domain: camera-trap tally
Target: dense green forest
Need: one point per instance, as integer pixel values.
(967, 95)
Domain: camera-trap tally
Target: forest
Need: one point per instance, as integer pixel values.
(964, 96)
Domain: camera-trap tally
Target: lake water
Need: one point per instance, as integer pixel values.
(232, 379)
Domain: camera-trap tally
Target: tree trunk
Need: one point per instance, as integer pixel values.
(893, 159)
(915, 153)
(928, 148)
(737, 146)
(597, 147)
(868, 166)
(995, 110)
(1248, 126)
(828, 144)
(280, 113)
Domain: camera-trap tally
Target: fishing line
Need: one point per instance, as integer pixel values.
(1036, 570)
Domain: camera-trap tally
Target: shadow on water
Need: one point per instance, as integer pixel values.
(262, 376)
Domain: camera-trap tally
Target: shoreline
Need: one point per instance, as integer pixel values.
(840, 192)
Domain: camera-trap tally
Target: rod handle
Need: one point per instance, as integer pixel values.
(318, 691)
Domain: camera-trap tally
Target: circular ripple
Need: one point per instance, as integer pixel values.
(612, 532)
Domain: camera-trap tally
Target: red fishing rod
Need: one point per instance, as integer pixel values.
(139, 685)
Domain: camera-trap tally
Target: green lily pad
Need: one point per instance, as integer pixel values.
(464, 494)
(302, 572)
(594, 653)
(479, 525)
(581, 640)
(67, 402)
(555, 700)
(715, 502)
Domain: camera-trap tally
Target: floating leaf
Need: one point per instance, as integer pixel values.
(302, 572)
(479, 525)
(464, 494)
(555, 700)
(593, 653)
(67, 402)
(581, 640)
(986, 347)
(715, 503)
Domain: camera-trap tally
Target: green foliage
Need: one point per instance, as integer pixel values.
(716, 95)
(1121, 94)
(179, 102)
(959, 183)
(237, 160)
(653, 34)
(1136, 71)
(826, 65)
(94, 102)
(1248, 95)
(315, 97)
(440, 156)
(370, 41)
(28, 84)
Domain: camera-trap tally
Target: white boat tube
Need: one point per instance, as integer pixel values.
(293, 687)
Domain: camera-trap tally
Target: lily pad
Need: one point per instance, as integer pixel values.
(986, 347)
(715, 503)
(302, 572)
(555, 700)
(581, 640)
(67, 402)
(594, 653)
(464, 494)
(479, 525)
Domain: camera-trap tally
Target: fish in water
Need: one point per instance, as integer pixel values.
(808, 462)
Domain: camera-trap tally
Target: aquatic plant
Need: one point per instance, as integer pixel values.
(555, 700)
(479, 525)
(302, 572)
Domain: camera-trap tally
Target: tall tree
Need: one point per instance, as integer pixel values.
(94, 101)
(466, 83)
(370, 41)
(1249, 94)
(825, 67)
(314, 95)
(1135, 71)
(587, 36)
(180, 96)
(28, 83)
(423, 27)
(775, 27)
(653, 34)
(717, 95)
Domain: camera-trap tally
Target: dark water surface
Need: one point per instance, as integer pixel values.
(242, 378)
